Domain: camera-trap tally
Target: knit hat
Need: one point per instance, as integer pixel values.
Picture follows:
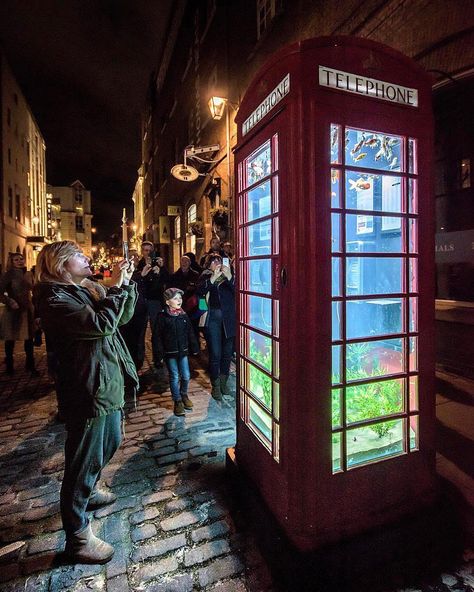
(170, 293)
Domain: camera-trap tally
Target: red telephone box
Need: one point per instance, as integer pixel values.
(335, 227)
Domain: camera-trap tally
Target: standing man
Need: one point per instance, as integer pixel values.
(214, 249)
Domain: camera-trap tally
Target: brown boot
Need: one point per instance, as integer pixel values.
(85, 547)
(224, 385)
(99, 498)
(188, 404)
(216, 389)
(179, 408)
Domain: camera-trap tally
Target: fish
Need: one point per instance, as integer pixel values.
(394, 163)
(371, 142)
(380, 153)
(358, 146)
(359, 185)
(361, 156)
(393, 142)
(334, 176)
(334, 135)
(257, 169)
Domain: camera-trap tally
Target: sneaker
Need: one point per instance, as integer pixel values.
(188, 404)
(179, 408)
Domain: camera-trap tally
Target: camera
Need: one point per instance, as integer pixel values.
(154, 259)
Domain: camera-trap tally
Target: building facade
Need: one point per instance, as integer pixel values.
(215, 48)
(24, 207)
(71, 217)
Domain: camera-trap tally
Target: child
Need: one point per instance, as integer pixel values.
(173, 340)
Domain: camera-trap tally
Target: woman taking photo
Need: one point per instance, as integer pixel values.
(216, 285)
(93, 370)
(18, 322)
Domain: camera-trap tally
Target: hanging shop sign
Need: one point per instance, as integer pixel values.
(174, 210)
(360, 85)
(164, 230)
(277, 94)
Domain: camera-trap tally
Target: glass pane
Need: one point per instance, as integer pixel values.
(258, 202)
(259, 238)
(412, 156)
(374, 358)
(275, 194)
(373, 192)
(276, 236)
(374, 275)
(276, 318)
(259, 313)
(276, 441)
(336, 233)
(335, 188)
(374, 442)
(259, 276)
(276, 359)
(373, 150)
(413, 392)
(276, 400)
(378, 316)
(413, 274)
(260, 420)
(335, 143)
(413, 354)
(336, 453)
(259, 349)
(259, 164)
(412, 196)
(377, 399)
(336, 363)
(336, 321)
(260, 385)
(373, 234)
(414, 432)
(413, 234)
(336, 276)
(413, 315)
(336, 408)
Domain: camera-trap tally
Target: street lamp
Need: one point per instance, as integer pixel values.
(93, 230)
(216, 107)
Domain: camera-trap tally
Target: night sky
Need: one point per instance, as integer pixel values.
(84, 68)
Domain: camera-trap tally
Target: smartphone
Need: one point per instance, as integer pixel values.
(225, 261)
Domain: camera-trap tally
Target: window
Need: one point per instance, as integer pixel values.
(373, 194)
(192, 213)
(17, 207)
(177, 228)
(265, 13)
(10, 202)
(79, 224)
(78, 196)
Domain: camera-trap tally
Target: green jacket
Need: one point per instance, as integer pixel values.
(94, 367)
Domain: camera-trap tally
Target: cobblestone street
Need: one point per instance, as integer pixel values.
(176, 525)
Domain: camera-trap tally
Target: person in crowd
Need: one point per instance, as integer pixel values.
(216, 285)
(174, 340)
(186, 279)
(194, 264)
(133, 332)
(16, 286)
(93, 371)
(214, 249)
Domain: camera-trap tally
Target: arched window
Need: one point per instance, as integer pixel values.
(192, 214)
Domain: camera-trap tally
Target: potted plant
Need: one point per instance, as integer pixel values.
(220, 215)
(196, 228)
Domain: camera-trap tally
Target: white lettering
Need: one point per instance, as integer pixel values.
(361, 85)
(267, 105)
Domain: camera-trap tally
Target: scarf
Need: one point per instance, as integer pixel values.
(175, 312)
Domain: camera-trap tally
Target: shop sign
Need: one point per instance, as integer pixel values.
(360, 85)
(164, 230)
(455, 247)
(174, 210)
(277, 94)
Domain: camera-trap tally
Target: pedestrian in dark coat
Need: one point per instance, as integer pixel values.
(216, 285)
(174, 340)
(93, 370)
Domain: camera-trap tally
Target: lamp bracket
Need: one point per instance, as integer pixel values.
(193, 150)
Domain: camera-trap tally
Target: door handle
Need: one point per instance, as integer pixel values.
(283, 276)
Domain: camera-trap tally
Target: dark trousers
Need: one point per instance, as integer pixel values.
(219, 346)
(28, 345)
(90, 445)
(179, 374)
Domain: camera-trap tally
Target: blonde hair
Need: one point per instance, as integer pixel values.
(51, 262)
(11, 256)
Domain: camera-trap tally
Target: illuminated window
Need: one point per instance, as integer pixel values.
(192, 213)
(177, 227)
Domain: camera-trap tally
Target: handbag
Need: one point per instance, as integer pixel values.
(202, 304)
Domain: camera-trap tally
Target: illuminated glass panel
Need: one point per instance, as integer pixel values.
(259, 276)
(414, 432)
(257, 202)
(413, 235)
(276, 236)
(336, 408)
(336, 453)
(335, 149)
(365, 191)
(260, 385)
(336, 233)
(373, 150)
(374, 275)
(368, 359)
(373, 234)
(259, 313)
(276, 399)
(413, 354)
(413, 314)
(412, 196)
(259, 238)
(413, 392)
(413, 275)
(375, 399)
(336, 276)
(336, 321)
(259, 164)
(276, 358)
(336, 363)
(377, 316)
(260, 420)
(335, 188)
(374, 442)
(259, 349)
(412, 156)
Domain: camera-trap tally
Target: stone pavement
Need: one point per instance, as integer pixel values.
(177, 525)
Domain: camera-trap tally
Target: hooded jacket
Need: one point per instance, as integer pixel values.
(94, 365)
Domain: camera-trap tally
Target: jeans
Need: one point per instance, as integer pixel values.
(220, 347)
(178, 368)
(90, 445)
